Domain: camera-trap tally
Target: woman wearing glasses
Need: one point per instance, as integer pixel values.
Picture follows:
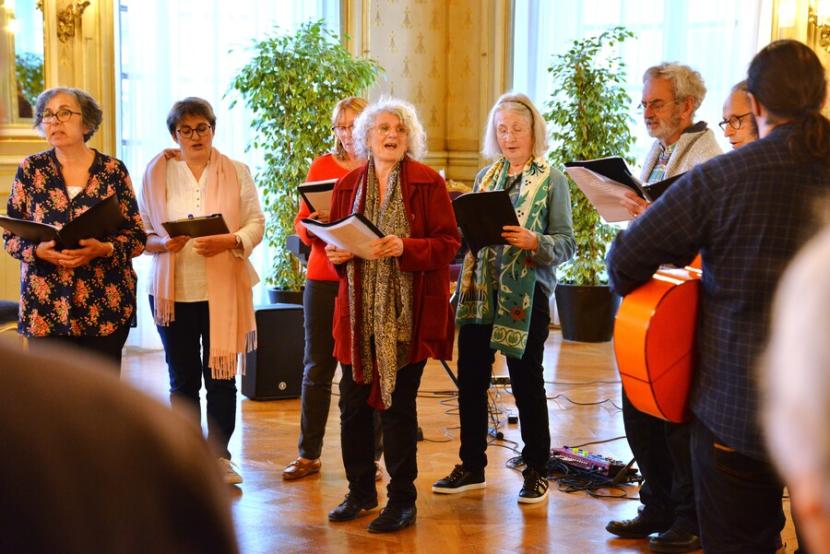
(318, 301)
(200, 289)
(392, 311)
(84, 295)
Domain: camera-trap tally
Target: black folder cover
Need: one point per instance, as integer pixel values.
(319, 191)
(201, 226)
(655, 190)
(97, 222)
(481, 216)
(614, 168)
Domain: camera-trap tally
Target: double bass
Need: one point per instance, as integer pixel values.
(654, 335)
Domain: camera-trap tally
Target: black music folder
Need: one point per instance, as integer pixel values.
(201, 226)
(317, 194)
(481, 216)
(99, 221)
(615, 169)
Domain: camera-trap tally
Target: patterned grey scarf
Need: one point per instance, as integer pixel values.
(382, 317)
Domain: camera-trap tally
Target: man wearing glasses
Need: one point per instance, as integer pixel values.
(671, 95)
(738, 123)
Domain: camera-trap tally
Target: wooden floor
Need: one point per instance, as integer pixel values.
(272, 515)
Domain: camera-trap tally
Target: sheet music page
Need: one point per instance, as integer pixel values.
(349, 233)
(605, 194)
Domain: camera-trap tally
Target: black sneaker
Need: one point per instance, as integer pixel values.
(535, 487)
(460, 480)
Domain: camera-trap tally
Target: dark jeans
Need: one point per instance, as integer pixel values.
(400, 437)
(475, 363)
(109, 346)
(662, 451)
(319, 366)
(738, 497)
(187, 351)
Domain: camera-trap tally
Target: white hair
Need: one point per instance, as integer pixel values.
(521, 104)
(795, 371)
(416, 140)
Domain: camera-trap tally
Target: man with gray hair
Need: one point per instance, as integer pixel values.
(672, 93)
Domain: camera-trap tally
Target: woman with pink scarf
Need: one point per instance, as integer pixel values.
(200, 289)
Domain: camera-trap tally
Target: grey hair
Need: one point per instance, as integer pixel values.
(91, 114)
(417, 138)
(521, 104)
(740, 86)
(685, 81)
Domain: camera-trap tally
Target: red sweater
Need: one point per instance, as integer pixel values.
(319, 267)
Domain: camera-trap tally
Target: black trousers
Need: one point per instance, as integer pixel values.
(662, 451)
(475, 364)
(400, 436)
(187, 351)
(738, 498)
(109, 347)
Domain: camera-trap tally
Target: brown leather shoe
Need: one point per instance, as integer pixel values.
(299, 469)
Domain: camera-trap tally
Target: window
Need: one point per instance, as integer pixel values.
(716, 38)
(170, 50)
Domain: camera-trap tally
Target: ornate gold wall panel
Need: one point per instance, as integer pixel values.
(448, 58)
(84, 59)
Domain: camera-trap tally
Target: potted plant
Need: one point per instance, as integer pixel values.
(291, 86)
(588, 113)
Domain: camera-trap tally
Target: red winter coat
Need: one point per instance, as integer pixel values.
(427, 254)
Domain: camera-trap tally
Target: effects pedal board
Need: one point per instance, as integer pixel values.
(587, 461)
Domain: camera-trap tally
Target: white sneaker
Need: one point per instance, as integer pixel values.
(229, 473)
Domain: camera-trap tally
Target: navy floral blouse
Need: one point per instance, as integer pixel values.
(94, 299)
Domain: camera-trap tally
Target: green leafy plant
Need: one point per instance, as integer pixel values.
(291, 86)
(28, 71)
(589, 118)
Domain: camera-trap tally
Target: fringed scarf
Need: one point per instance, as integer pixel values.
(380, 295)
(230, 298)
(514, 282)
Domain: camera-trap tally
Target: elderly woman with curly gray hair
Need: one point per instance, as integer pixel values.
(392, 311)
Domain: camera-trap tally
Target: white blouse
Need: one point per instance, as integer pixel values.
(185, 197)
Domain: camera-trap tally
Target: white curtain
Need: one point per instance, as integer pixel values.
(171, 49)
(716, 38)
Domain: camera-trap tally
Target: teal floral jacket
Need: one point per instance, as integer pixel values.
(95, 299)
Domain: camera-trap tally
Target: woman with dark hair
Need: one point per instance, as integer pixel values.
(85, 295)
(392, 311)
(747, 213)
(200, 289)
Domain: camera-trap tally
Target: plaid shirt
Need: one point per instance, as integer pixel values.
(748, 212)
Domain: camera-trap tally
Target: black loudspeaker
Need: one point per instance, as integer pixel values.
(275, 369)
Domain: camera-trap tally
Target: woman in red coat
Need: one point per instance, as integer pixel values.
(392, 311)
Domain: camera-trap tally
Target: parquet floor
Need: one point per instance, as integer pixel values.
(272, 515)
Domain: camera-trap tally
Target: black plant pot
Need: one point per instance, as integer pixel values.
(586, 313)
(283, 296)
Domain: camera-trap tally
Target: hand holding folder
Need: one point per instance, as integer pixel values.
(607, 181)
(354, 233)
(99, 221)
(482, 216)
